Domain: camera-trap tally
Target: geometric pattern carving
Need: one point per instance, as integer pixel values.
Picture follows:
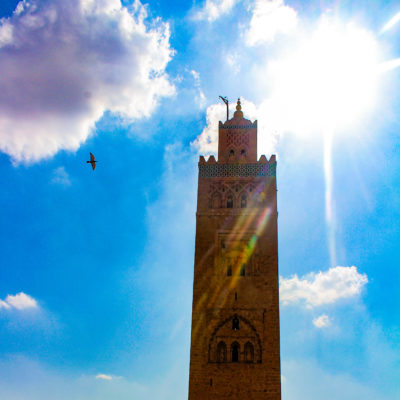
(241, 193)
(239, 170)
(250, 126)
(237, 139)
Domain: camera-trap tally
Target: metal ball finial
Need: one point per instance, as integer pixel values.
(238, 106)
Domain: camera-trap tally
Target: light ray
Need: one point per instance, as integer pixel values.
(329, 205)
(391, 23)
(389, 65)
(243, 224)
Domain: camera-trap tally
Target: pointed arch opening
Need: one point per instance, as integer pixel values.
(229, 201)
(248, 352)
(221, 352)
(216, 200)
(235, 352)
(243, 201)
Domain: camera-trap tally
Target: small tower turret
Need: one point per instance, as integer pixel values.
(237, 139)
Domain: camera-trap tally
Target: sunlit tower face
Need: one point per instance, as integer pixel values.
(329, 80)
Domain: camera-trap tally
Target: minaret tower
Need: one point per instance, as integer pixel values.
(235, 350)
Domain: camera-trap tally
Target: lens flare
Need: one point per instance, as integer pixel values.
(243, 224)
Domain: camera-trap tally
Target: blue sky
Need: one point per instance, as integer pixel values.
(96, 268)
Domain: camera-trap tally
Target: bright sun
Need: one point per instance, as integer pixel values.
(329, 80)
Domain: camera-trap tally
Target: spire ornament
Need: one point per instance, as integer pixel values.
(238, 113)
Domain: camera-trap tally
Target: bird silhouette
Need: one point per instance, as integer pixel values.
(92, 161)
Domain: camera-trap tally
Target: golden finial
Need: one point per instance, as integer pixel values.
(238, 113)
(238, 106)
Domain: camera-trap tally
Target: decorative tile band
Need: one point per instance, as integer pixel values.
(252, 126)
(239, 170)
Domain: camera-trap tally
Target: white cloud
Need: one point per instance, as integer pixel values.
(207, 142)
(316, 289)
(20, 301)
(61, 177)
(6, 32)
(270, 18)
(104, 377)
(3, 304)
(213, 9)
(24, 378)
(307, 379)
(200, 98)
(63, 64)
(322, 321)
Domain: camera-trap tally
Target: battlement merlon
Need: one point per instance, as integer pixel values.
(263, 160)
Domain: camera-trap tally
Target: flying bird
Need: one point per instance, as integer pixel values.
(92, 161)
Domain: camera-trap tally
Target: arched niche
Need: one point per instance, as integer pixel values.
(246, 334)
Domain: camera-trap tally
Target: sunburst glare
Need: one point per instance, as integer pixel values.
(329, 79)
(323, 87)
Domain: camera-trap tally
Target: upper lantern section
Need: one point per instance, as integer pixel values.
(237, 139)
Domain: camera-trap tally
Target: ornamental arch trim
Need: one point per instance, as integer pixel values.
(244, 322)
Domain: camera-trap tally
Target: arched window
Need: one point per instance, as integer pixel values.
(235, 350)
(231, 153)
(221, 352)
(229, 270)
(216, 201)
(229, 201)
(243, 270)
(235, 323)
(249, 352)
(243, 152)
(243, 201)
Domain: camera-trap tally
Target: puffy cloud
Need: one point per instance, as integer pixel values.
(213, 9)
(322, 321)
(61, 177)
(207, 142)
(63, 64)
(316, 289)
(270, 18)
(20, 301)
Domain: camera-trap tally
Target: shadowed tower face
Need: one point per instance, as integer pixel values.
(235, 318)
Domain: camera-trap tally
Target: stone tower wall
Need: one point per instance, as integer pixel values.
(235, 352)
